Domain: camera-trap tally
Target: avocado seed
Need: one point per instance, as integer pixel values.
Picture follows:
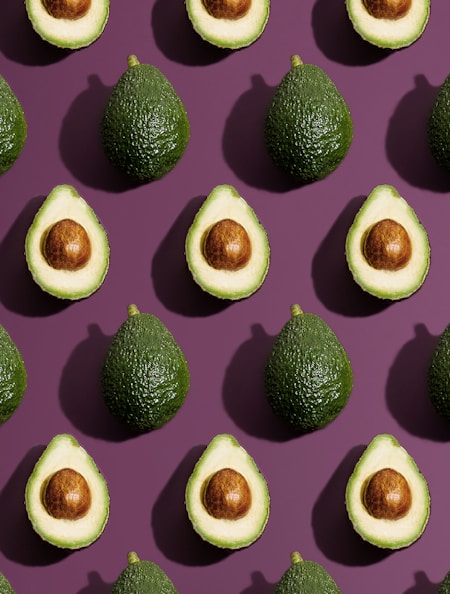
(387, 495)
(227, 9)
(387, 246)
(67, 9)
(387, 9)
(67, 495)
(227, 245)
(67, 246)
(227, 495)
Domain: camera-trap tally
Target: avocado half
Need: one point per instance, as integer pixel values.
(373, 22)
(65, 30)
(65, 525)
(395, 525)
(227, 497)
(86, 261)
(377, 264)
(232, 263)
(237, 25)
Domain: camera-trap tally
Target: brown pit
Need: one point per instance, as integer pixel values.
(227, 495)
(67, 246)
(387, 495)
(227, 245)
(227, 9)
(67, 9)
(387, 9)
(387, 246)
(66, 496)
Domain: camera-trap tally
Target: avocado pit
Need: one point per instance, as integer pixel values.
(227, 245)
(227, 9)
(67, 246)
(227, 495)
(67, 495)
(387, 245)
(67, 9)
(387, 495)
(387, 9)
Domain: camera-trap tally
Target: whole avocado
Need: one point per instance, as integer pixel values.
(306, 577)
(13, 376)
(438, 126)
(444, 586)
(438, 375)
(142, 577)
(5, 586)
(13, 127)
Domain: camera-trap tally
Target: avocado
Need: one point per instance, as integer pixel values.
(438, 375)
(68, 24)
(308, 376)
(145, 127)
(144, 577)
(66, 247)
(145, 376)
(444, 586)
(227, 249)
(13, 376)
(306, 577)
(229, 24)
(66, 496)
(227, 497)
(5, 586)
(387, 24)
(387, 248)
(308, 128)
(438, 126)
(387, 497)
(13, 127)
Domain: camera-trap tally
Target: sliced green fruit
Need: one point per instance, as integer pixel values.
(438, 375)
(66, 247)
(13, 127)
(13, 376)
(142, 577)
(438, 126)
(227, 497)
(387, 247)
(227, 249)
(145, 376)
(306, 577)
(69, 24)
(308, 377)
(308, 128)
(386, 24)
(145, 127)
(229, 24)
(66, 496)
(387, 497)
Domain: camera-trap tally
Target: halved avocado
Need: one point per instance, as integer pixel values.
(387, 497)
(66, 496)
(390, 24)
(66, 247)
(227, 249)
(227, 497)
(230, 24)
(69, 24)
(387, 247)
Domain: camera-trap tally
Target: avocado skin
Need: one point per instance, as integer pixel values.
(308, 128)
(142, 577)
(13, 127)
(13, 376)
(438, 375)
(444, 586)
(306, 577)
(145, 127)
(5, 586)
(438, 126)
(308, 377)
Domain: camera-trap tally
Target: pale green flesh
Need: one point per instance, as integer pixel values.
(384, 451)
(225, 202)
(65, 202)
(65, 452)
(65, 33)
(225, 452)
(385, 202)
(389, 33)
(227, 33)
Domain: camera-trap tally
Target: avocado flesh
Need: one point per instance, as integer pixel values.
(224, 451)
(13, 376)
(384, 451)
(142, 576)
(13, 127)
(389, 33)
(385, 202)
(64, 451)
(229, 33)
(306, 577)
(67, 33)
(65, 202)
(225, 202)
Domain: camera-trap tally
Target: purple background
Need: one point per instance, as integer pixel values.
(226, 345)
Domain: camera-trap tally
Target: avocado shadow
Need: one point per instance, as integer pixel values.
(259, 585)
(329, 516)
(406, 390)
(407, 143)
(18, 291)
(333, 281)
(422, 585)
(170, 273)
(18, 541)
(169, 517)
(96, 585)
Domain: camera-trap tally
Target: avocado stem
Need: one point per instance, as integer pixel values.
(296, 558)
(296, 61)
(133, 558)
(296, 310)
(133, 61)
(133, 310)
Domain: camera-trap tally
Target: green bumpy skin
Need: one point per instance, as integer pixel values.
(142, 577)
(308, 128)
(5, 586)
(438, 128)
(145, 127)
(13, 376)
(13, 127)
(438, 376)
(444, 586)
(306, 577)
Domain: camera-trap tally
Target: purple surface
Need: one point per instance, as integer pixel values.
(226, 345)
